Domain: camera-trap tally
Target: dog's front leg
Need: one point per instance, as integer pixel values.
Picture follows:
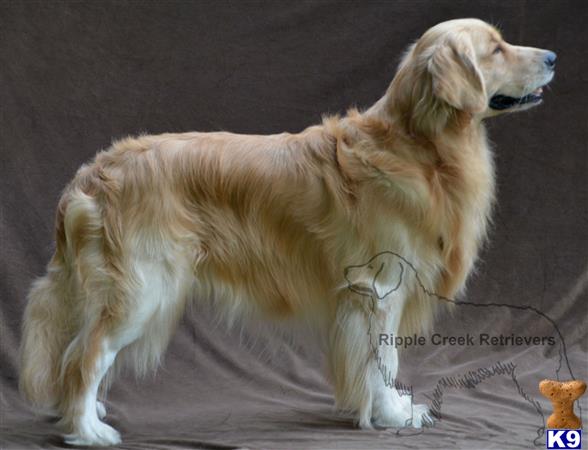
(365, 371)
(393, 401)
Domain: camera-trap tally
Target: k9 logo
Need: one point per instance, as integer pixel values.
(564, 439)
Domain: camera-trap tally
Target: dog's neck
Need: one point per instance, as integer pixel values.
(457, 129)
(440, 119)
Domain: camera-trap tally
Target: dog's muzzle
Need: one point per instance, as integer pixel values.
(501, 102)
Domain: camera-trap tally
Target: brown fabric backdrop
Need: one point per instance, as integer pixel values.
(74, 75)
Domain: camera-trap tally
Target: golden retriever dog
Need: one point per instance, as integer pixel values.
(266, 225)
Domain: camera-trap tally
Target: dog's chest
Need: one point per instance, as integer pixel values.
(446, 222)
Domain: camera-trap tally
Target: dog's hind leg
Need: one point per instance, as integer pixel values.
(140, 329)
(81, 379)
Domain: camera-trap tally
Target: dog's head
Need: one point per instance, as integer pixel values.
(466, 66)
(379, 277)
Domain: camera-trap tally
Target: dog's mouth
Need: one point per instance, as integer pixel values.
(501, 102)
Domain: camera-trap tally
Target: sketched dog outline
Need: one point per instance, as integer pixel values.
(375, 295)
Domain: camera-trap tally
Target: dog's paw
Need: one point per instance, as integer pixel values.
(390, 421)
(421, 417)
(416, 416)
(391, 417)
(94, 433)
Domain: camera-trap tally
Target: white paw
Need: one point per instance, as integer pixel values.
(390, 421)
(93, 433)
(416, 416)
(100, 409)
(391, 415)
(421, 417)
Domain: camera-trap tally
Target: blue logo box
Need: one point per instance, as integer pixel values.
(568, 439)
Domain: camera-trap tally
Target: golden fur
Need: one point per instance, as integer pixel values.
(267, 224)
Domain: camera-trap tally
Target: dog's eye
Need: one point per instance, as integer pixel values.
(497, 50)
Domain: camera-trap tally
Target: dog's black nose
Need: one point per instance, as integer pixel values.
(550, 59)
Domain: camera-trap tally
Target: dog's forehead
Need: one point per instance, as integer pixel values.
(480, 33)
(482, 36)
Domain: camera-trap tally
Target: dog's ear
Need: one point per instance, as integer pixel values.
(455, 75)
(387, 278)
